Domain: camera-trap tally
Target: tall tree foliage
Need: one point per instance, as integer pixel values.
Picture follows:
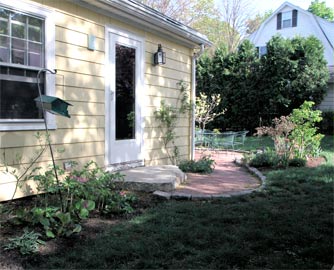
(320, 9)
(235, 15)
(255, 90)
(235, 78)
(188, 12)
(224, 26)
(294, 70)
(254, 23)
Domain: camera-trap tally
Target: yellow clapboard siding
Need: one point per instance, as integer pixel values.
(8, 181)
(79, 80)
(23, 155)
(79, 66)
(173, 61)
(74, 37)
(85, 108)
(150, 132)
(68, 136)
(163, 71)
(149, 111)
(80, 53)
(152, 42)
(170, 63)
(152, 122)
(155, 143)
(81, 121)
(155, 101)
(166, 82)
(59, 136)
(152, 91)
(161, 153)
(81, 94)
(78, 23)
(17, 139)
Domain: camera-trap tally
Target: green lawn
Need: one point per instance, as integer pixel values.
(287, 226)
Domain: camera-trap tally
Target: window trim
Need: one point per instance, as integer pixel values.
(49, 24)
(288, 20)
(294, 19)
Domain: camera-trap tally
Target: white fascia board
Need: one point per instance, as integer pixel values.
(137, 14)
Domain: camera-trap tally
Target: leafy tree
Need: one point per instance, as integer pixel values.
(188, 12)
(254, 24)
(235, 78)
(320, 9)
(204, 74)
(293, 70)
(206, 109)
(235, 15)
(255, 90)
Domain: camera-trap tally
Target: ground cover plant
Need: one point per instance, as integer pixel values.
(61, 207)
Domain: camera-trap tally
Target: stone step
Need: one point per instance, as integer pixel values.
(151, 178)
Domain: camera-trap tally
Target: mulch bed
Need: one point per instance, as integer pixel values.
(91, 227)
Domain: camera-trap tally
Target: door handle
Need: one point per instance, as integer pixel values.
(112, 94)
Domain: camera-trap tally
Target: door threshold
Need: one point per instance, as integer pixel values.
(125, 165)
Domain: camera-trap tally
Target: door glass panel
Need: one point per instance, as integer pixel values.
(125, 92)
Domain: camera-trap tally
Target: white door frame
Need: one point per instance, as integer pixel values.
(112, 147)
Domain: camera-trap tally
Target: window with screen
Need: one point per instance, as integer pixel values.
(23, 53)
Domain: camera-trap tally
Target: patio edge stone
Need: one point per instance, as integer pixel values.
(254, 171)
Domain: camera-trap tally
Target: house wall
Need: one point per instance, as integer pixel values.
(328, 102)
(306, 26)
(80, 81)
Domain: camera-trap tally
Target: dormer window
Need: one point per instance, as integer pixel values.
(287, 19)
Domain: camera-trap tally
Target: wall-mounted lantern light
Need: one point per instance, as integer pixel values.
(53, 105)
(159, 56)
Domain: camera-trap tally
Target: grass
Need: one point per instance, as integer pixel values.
(254, 142)
(289, 225)
(327, 146)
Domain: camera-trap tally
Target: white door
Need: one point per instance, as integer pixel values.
(124, 83)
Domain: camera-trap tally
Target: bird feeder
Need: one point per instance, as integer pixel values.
(53, 105)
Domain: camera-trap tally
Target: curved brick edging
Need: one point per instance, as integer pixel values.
(255, 171)
(185, 196)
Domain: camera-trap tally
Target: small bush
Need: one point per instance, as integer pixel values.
(297, 162)
(204, 165)
(266, 159)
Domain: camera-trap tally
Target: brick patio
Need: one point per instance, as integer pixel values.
(227, 178)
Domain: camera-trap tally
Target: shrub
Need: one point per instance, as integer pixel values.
(204, 165)
(297, 162)
(304, 137)
(83, 191)
(266, 159)
(295, 135)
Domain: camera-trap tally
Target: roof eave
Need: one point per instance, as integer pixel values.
(137, 14)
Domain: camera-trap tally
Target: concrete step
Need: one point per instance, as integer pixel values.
(151, 178)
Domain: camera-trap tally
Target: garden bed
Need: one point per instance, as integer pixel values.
(91, 228)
